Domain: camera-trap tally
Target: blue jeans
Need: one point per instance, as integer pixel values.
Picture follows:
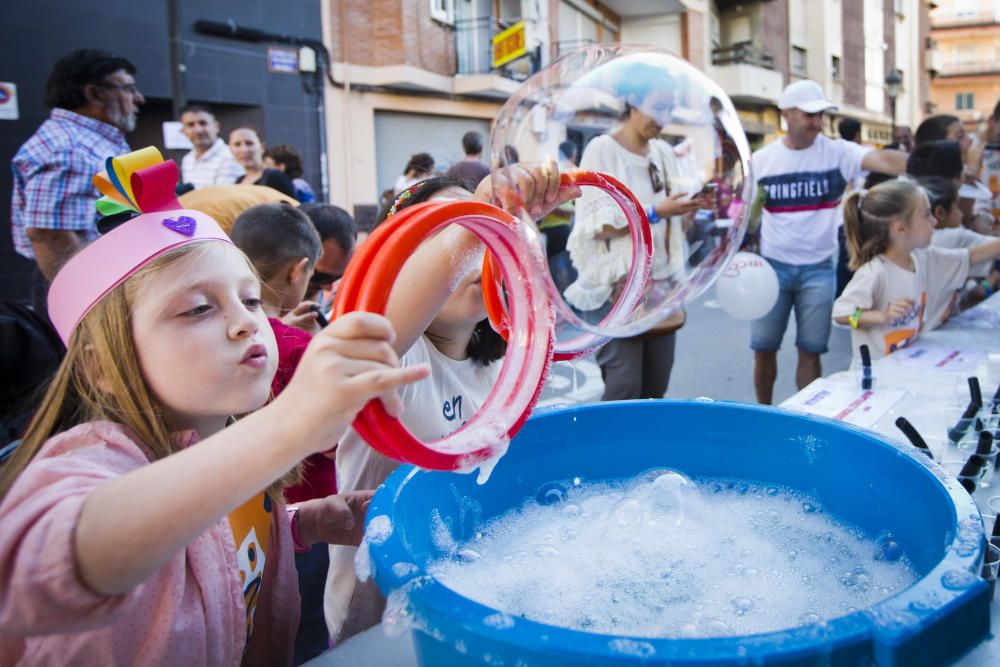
(312, 638)
(810, 289)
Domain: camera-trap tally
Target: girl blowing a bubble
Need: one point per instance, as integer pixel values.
(141, 520)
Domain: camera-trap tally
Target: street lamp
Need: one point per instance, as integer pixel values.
(892, 85)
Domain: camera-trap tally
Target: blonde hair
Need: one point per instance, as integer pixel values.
(100, 377)
(868, 216)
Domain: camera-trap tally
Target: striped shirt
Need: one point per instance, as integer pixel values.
(216, 166)
(53, 176)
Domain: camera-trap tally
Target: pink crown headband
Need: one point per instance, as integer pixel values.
(142, 182)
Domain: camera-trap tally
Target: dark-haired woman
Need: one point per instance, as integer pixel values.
(600, 243)
(248, 149)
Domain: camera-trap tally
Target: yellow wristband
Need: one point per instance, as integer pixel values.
(855, 318)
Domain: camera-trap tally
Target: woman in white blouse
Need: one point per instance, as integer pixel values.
(601, 249)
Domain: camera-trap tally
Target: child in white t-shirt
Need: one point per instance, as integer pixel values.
(899, 277)
(984, 279)
(438, 314)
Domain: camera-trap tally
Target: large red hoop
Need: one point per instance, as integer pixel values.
(366, 286)
(642, 249)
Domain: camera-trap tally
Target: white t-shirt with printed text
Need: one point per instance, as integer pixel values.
(803, 190)
(434, 407)
(937, 273)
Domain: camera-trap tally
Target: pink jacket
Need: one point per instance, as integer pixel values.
(191, 612)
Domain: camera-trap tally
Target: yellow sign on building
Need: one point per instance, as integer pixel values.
(509, 45)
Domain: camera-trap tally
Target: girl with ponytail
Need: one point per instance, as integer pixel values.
(899, 277)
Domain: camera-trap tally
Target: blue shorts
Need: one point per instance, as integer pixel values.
(811, 289)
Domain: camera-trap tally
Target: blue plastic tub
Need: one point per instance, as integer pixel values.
(865, 480)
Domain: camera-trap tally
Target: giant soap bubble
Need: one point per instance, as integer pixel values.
(668, 133)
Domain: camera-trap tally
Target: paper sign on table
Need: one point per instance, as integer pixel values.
(844, 402)
(934, 357)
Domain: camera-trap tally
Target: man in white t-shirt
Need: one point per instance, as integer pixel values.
(210, 162)
(799, 181)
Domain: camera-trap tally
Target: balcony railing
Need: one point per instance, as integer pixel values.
(474, 47)
(568, 45)
(474, 44)
(969, 68)
(979, 17)
(742, 53)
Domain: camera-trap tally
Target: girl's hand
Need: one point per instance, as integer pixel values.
(533, 189)
(302, 317)
(347, 364)
(338, 519)
(897, 310)
(678, 204)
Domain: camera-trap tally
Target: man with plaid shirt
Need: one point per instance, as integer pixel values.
(94, 102)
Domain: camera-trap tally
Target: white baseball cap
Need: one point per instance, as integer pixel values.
(805, 95)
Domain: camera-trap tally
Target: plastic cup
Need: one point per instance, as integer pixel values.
(989, 467)
(954, 468)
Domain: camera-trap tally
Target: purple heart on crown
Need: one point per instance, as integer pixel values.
(182, 224)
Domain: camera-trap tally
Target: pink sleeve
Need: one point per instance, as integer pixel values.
(40, 590)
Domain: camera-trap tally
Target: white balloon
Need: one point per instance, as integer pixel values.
(747, 289)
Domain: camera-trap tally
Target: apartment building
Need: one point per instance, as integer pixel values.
(754, 48)
(966, 39)
(414, 75)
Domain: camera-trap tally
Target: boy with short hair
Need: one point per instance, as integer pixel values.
(283, 245)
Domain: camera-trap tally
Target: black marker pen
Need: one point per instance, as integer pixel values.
(866, 368)
(958, 431)
(975, 392)
(904, 425)
(985, 444)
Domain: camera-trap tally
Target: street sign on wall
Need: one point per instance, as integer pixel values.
(282, 61)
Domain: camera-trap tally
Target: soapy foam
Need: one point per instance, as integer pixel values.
(661, 556)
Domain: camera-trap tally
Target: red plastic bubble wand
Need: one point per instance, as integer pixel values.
(366, 286)
(642, 256)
